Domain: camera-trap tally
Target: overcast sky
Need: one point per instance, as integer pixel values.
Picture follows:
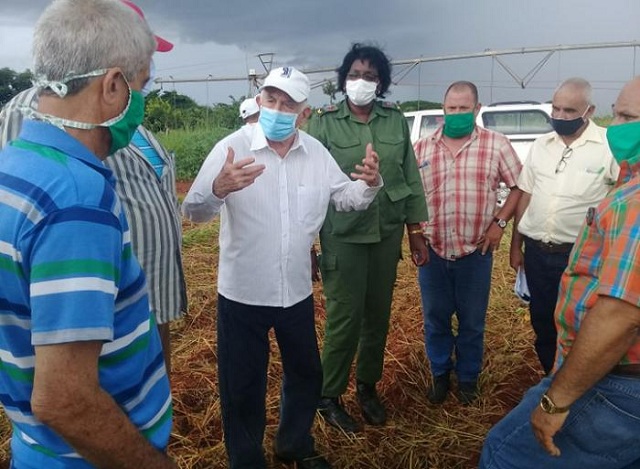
(222, 38)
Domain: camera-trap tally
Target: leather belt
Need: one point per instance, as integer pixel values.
(631, 370)
(551, 248)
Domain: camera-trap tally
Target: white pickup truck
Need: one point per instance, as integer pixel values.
(521, 122)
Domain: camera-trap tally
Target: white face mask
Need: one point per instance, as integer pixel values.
(361, 92)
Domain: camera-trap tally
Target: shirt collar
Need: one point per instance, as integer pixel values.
(45, 134)
(344, 112)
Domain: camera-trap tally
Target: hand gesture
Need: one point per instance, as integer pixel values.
(235, 176)
(368, 171)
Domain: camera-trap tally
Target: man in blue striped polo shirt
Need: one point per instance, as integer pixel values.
(82, 377)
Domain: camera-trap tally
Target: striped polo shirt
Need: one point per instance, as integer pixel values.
(67, 274)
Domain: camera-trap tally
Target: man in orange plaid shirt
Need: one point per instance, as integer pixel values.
(587, 413)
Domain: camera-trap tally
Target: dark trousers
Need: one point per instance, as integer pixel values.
(461, 287)
(544, 271)
(243, 357)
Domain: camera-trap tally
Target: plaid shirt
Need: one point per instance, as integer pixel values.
(604, 262)
(461, 188)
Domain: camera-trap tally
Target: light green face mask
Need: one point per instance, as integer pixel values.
(122, 127)
(459, 125)
(624, 142)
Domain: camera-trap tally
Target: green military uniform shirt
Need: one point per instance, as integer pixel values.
(402, 199)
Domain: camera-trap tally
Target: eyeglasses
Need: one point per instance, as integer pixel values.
(365, 76)
(566, 154)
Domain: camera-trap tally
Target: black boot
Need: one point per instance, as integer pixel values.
(335, 415)
(372, 409)
(439, 389)
(467, 392)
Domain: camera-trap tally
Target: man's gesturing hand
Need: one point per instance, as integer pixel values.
(368, 171)
(235, 176)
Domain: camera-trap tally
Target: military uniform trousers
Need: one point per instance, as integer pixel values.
(358, 284)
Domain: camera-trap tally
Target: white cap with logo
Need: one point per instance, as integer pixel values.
(290, 80)
(249, 107)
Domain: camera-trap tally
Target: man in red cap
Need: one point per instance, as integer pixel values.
(83, 378)
(145, 183)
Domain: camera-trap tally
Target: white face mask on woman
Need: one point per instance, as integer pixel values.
(361, 92)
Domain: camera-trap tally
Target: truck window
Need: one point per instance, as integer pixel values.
(410, 120)
(429, 124)
(517, 122)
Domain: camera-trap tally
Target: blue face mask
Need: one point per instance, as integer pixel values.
(277, 126)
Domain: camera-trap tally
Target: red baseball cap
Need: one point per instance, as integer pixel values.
(162, 44)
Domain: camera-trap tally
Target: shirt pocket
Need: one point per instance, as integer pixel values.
(390, 149)
(312, 206)
(587, 183)
(347, 151)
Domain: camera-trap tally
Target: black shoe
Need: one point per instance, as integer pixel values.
(335, 415)
(372, 409)
(313, 461)
(437, 393)
(467, 392)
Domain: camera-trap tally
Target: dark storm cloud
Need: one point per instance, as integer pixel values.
(223, 34)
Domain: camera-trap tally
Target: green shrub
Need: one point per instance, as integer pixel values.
(191, 147)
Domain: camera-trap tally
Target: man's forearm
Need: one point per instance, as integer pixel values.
(509, 207)
(606, 333)
(102, 434)
(67, 397)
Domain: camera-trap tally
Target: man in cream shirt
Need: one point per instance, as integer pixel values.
(567, 171)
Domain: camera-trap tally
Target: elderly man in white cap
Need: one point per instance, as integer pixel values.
(272, 199)
(249, 111)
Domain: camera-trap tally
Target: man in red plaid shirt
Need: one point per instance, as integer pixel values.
(461, 166)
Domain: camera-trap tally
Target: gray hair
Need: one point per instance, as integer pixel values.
(75, 37)
(579, 84)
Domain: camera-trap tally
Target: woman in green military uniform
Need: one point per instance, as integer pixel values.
(361, 250)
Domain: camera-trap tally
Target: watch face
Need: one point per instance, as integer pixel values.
(546, 404)
(501, 223)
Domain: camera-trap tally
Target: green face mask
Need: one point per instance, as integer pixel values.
(624, 142)
(124, 126)
(459, 125)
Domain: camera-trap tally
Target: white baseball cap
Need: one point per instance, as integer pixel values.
(249, 107)
(290, 80)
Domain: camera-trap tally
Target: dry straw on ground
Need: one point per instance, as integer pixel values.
(417, 435)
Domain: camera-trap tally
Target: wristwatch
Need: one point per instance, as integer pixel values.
(500, 222)
(547, 405)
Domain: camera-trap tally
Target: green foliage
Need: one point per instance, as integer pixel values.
(419, 105)
(12, 83)
(191, 147)
(330, 89)
(201, 235)
(603, 121)
(171, 110)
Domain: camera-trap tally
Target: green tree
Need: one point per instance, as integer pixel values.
(12, 83)
(158, 114)
(419, 105)
(330, 89)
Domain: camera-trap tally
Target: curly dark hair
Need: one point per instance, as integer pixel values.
(371, 54)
